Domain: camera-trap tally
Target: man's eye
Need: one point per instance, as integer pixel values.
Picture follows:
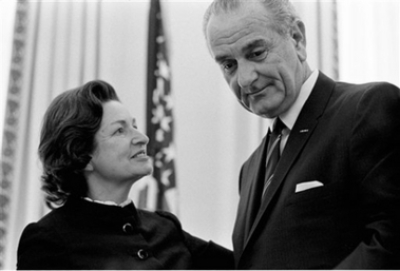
(258, 54)
(228, 66)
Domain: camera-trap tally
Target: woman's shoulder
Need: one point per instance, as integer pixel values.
(44, 228)
(38, 241)
(168, 215)
(159, 217)
(50, 218)
(45, 231)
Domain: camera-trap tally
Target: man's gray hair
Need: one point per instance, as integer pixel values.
(282, 12)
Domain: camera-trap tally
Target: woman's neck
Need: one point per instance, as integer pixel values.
(108, 192)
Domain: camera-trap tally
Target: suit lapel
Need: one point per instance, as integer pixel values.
(301, 132)
(254, 200)
(248, 204)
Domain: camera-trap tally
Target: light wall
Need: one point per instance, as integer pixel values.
(369, 40)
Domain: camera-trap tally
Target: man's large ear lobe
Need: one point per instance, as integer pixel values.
(298, 35)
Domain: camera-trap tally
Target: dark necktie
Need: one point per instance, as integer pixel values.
(273, 154)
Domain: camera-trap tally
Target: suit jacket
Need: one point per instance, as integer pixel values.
(347, 138)
(83, 235)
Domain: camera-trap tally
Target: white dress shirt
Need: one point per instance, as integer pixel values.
(289, 117)
(110, 203)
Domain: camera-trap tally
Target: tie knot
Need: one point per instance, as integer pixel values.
(278, 127)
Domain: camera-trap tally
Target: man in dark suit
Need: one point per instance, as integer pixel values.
(322, 190)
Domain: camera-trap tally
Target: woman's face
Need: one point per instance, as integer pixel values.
(120, 149)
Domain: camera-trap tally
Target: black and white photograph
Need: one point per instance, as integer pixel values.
(199, 134)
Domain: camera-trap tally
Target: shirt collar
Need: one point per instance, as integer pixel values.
(109, 203)
(290, 116)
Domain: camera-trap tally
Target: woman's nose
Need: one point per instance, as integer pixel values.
(139, 138)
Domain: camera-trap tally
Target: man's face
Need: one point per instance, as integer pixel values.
(263, 68)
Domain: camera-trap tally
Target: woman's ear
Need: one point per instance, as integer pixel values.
(298, 35)
(89, 166)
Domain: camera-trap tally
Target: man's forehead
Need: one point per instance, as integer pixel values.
(246, 16)
(222, 31)
(236, 5)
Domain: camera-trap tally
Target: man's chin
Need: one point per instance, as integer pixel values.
(264, 112)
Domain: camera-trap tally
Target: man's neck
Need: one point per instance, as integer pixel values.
(307, 71)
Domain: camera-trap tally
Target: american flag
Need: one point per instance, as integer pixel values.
(159, 119)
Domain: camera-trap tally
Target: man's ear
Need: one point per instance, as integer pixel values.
(298, 35)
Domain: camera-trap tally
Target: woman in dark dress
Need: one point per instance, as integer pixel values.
(92, 153)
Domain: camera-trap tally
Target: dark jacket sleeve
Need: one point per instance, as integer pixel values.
(205, 255)
(209, 255)
(40, 248)
(376, 152)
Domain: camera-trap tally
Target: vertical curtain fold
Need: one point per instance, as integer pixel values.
(55, 48)
(11, 128)
(369, 41)
(320, 18)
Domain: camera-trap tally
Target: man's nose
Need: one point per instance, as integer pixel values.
(247, 74)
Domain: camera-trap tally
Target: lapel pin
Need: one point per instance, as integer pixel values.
(304, 131)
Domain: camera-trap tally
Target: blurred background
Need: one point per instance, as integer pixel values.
(48, 47)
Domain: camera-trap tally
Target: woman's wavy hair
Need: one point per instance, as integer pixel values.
(67, 139)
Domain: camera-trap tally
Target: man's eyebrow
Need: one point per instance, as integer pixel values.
(221, 58)
(248, 47)
(253, 44)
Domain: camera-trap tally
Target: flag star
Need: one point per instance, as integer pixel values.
(169, 102)
(159, 91)
(163, 68)
(169, 153)
(160, 135)
(165, 123)
(158, 160)
(160, 39)
(158, 114)
(165, 177)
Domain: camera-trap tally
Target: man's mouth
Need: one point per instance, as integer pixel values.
(257, 91)
(254, 93)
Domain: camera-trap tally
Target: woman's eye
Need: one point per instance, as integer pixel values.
(119, 131)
